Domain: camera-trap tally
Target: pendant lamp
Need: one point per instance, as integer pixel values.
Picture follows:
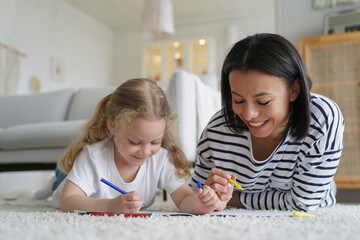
(158, 20)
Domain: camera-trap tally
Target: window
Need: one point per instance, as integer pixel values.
(161, 60)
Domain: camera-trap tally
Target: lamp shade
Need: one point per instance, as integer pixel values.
(158, 19)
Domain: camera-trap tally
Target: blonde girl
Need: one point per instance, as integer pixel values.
(130, 142)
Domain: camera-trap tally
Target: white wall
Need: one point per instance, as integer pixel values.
(297, 18)
(43, 29)
(225, 31)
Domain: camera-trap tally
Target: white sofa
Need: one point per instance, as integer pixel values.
(35, 129)
(195, 99)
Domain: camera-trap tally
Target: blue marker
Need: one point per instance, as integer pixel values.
(199, 185)
(113, 186)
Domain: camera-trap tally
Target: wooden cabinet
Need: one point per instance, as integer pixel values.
(333, 63)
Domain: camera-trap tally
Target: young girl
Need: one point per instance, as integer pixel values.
(281, 142)
(129, 142)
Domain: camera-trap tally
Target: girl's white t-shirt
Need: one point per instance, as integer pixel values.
(97, 161)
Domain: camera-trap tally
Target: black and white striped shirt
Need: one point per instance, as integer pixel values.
(296, 176)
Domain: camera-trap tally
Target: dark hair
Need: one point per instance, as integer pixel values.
(274, 55)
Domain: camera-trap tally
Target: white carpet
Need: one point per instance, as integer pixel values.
(26, 219)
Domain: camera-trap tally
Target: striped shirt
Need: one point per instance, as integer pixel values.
(296, 176)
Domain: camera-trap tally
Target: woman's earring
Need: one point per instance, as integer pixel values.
(291, 99)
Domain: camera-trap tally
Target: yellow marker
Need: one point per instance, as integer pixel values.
(302, 214)
(235, 184)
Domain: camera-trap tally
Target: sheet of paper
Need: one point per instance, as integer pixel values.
(256, 213)
(225, 213)
(232, 212)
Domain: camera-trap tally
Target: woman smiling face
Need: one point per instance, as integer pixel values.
(262, 102)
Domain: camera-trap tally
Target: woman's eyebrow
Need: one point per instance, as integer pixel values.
(262, 94)
(256, 95)
(232, 92)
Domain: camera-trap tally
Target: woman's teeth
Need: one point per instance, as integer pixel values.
(257, 124)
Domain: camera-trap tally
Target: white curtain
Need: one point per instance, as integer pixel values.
(9, 71)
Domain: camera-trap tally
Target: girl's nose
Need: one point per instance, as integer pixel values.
(145, 150)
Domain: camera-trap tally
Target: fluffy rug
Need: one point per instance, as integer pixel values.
(28, 219)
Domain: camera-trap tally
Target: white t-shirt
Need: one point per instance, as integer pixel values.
(97, 161)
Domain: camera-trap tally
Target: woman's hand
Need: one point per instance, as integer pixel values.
(126, 203)
(218, 181)
(199, 201)
(205, 200)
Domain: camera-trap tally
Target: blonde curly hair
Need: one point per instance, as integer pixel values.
(134, 98)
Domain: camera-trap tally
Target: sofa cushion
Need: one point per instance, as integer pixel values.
(85, 100)
(32, 108)
(38, 155)
(39, 135)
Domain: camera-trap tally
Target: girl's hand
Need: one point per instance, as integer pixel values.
(218, 181)
(205, 200)
(126, 203)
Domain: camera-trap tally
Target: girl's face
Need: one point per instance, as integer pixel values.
(262, 102)
(141, 140)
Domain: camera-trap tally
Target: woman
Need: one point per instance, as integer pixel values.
(280, 142)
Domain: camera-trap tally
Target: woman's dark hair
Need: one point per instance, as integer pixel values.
(274, 55)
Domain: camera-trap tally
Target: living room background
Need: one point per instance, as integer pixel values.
(93, 54)
(45, 30)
